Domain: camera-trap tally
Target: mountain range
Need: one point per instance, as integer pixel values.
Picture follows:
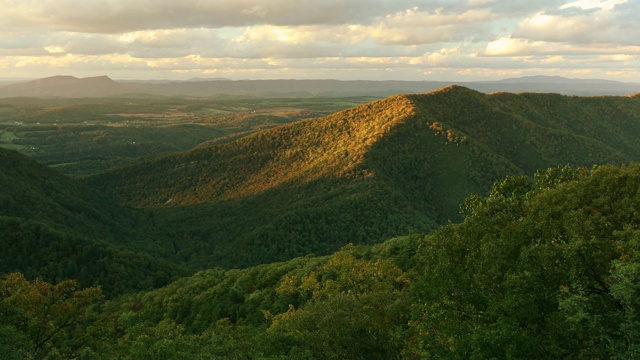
(362, 175)
(390, 167)
(103, 86)
(484, 243)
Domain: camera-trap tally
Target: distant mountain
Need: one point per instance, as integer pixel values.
(362, 175)
(207, 79)
(557, 84)
(554, 80)
(65, 86)
(68, 86)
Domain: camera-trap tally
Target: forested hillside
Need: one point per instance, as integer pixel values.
(55, 228)
(452, 224)
(365, 174)
(541, 268)
(32, 190)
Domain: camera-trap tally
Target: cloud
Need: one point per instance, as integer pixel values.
(593, 4)
(510, 46)
(401, 28)
(316, 39)
(113, 16)
(585, 22)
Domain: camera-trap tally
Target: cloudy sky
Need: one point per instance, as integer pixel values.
(461, 40)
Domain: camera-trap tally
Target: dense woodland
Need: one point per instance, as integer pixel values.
(547, 268)
(452, 224)
(363, 175)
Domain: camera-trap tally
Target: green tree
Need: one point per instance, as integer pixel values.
(355, 310)
(48, 321)
(551, 272)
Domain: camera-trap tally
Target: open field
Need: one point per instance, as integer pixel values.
(6, 141)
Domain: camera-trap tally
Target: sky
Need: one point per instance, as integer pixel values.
(455, 40)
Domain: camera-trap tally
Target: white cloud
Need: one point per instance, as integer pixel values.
(53, 49)
(282, 34)
(593, 4)
(314, 39)
(585, 22)
(415, 27)
(508, 46)
(113, 16)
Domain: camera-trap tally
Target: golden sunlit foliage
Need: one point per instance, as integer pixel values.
(44, 321)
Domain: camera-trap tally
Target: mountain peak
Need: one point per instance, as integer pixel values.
(101, 77)
(68, 86)
(455, 89)
(97, 80)
(52, 80)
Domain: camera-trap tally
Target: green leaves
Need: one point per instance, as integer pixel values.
(545, 269)
(48, 321)
(542, 268)
(354, 310)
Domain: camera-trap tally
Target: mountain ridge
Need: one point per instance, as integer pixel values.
(65, 86)
(378, 170)
(301, 159)
(102, 86)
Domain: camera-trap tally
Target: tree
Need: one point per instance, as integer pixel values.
(48, 321)
(355, 310)
(551, 272)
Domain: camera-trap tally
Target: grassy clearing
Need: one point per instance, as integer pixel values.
(12, 146)
(7, 136)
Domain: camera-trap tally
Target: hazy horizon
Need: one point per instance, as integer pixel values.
(212, 78)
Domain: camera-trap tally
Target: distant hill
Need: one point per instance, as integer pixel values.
(102, 86)
(554, 80)
(362, 175)
(65, 86)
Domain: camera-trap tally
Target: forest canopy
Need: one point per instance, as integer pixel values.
(542, 267)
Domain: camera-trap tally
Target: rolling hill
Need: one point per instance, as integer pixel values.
(54, 228)
(65, 86)
(362, 175)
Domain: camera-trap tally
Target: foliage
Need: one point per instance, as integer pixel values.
(355, 310)
(41, 252)
(35, 192)
(535, 270)
(40, 320)
(545, 267)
